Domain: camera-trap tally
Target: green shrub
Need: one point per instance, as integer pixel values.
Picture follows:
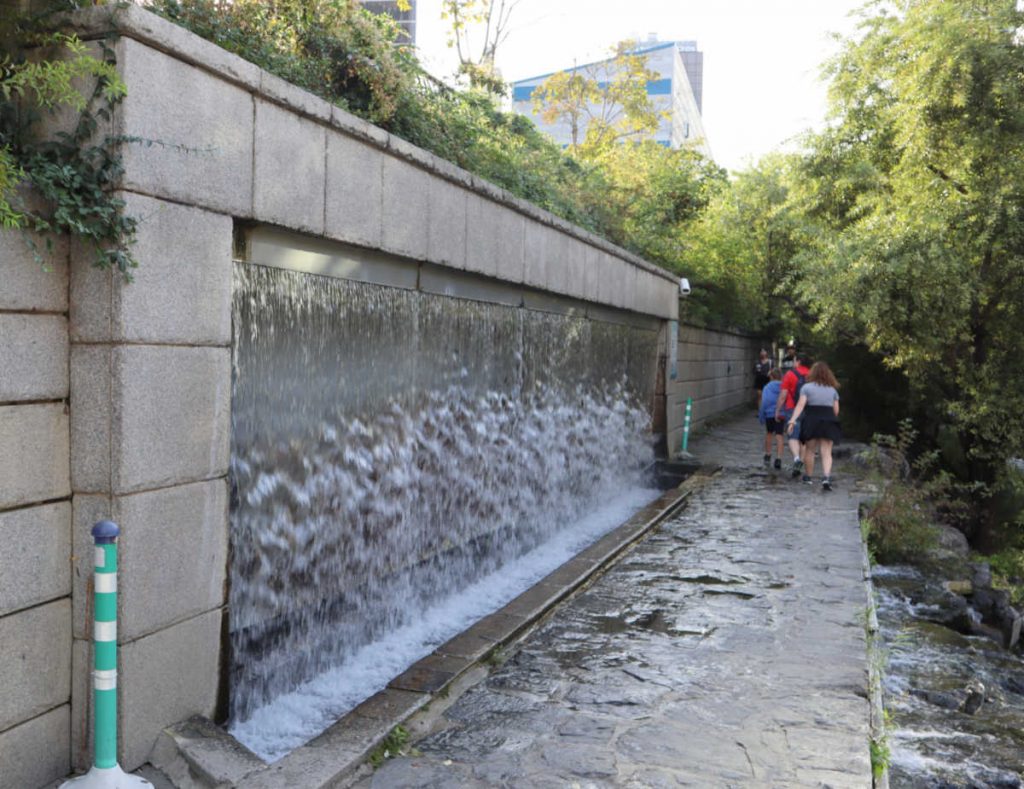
(357, 60)
(1008, 572)
(899, 521)
(68, 173)
(639, 197)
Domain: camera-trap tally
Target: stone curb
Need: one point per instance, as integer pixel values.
(146, 27)
(197, 754)
(875, 655)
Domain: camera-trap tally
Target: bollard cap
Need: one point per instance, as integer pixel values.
(105, 532)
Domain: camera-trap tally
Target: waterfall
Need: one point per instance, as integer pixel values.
(390, 446)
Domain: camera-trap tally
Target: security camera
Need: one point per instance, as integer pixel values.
(684, 286)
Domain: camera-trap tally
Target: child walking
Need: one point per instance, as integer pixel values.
(774, 428)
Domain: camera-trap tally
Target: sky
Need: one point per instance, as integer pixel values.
(761, 57)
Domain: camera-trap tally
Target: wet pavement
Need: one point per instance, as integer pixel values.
(726, 650)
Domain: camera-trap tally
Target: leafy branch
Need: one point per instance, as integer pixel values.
(70, 174)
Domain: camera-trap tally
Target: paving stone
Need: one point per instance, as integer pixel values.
(581, 761)
(416, 773)
(652, 677)
(430, 674)
(391, 704)
(467, 645)
(498, 626)
(533, 601)
(583, 728)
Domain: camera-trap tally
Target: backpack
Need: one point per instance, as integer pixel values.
(800, 379)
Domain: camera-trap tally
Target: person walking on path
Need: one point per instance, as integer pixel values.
(774, 428)
(817, 414)
(789, 360)
(792, 382)
(762, 367)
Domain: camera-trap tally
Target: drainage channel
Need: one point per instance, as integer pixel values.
(199, 753)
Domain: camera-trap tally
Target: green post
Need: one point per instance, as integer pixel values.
(105, 644)
(105, 772)
(686, 423)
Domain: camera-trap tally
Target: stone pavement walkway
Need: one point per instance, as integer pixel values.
(726, 650)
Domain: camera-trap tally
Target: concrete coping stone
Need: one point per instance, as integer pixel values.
(206, 752)
(134, 22)
(454, 667)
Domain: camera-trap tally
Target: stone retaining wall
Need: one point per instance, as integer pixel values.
(716, 369)
(115, 398)
(35, 517)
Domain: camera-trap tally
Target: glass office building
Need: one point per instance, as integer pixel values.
(677, 90)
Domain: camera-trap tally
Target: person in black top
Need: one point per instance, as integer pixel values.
(762, 367)
(789, 360)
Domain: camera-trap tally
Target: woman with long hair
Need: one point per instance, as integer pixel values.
(819, 428)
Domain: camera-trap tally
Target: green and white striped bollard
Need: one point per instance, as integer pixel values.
(105, 772)
(686, 424)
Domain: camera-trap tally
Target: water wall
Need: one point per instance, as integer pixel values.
(390, 446)
(116, 397)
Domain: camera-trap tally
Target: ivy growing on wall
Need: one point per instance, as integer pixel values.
(58, 164)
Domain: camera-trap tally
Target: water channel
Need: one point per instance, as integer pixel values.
(390, 449)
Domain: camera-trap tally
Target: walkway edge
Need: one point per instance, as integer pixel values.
(196, 754)
(876, 657)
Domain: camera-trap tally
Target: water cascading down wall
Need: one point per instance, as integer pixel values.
(394, 440)
(117, 402)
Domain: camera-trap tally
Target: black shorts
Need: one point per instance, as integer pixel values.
(775, 427)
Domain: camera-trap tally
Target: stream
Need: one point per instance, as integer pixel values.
(934, 677)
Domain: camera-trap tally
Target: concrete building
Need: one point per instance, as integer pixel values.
(678, 91)
(405, 19)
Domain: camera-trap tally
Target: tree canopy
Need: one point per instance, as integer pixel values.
(918, 192)
(898, 230)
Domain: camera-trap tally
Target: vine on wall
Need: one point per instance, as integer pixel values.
(58, 166)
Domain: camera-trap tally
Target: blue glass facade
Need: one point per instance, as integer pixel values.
(677, 93)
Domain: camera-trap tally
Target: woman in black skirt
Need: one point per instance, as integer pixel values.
(819, 429)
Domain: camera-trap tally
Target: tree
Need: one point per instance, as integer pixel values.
(740, 251)
(603, 103)
(917, 191)
(657, 193)
(488, 19)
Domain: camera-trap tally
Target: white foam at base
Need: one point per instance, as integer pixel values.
(294, 718)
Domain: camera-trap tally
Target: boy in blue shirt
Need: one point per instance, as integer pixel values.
(766, 416)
